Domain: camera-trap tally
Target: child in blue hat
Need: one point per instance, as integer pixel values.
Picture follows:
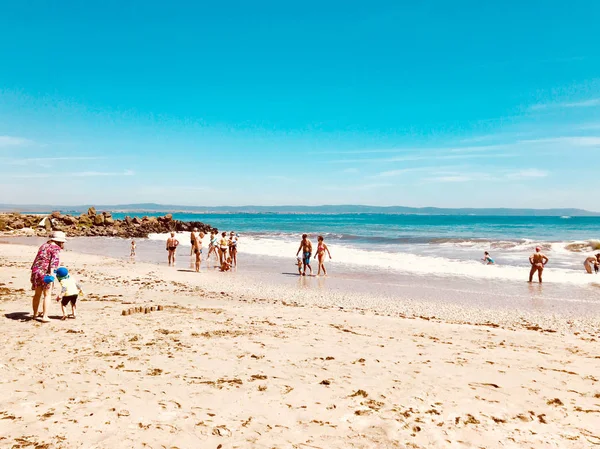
(70, 290)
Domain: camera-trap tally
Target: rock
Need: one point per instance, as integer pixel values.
(159, 308)
(18, 224)
(128, 221)
(85, 220)
(152, 309)
(69, 220)
(169, 217)
(108, 221)
(98, 220)
(56, 214)
(124, 313)
(48, 224)
(136, 220)
(146, 310)
(91, 211)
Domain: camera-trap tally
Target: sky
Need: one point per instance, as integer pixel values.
(428, 103)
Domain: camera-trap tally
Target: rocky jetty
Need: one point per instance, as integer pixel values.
(95, 224)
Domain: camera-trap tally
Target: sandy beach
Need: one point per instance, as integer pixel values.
(231, 363)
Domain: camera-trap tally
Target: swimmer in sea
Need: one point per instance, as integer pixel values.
(321, 250)
(592, 262)
(172, 244)
(538, 261)
(306, 248)
(487, 259)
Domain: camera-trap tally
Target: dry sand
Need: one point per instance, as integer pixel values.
(226, 365)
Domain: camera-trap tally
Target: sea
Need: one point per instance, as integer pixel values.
(423, 257)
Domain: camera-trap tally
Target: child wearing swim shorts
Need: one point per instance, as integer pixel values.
(70, 290)
(299, 265)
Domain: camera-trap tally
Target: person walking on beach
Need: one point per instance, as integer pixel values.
(487, 259)
(193, 240)
(46, 262)
(172, 244)
(321, 250)
(233, 241)
(132, 251)
(538, 261)
(70, 291)
(306, 248)
(213, 244)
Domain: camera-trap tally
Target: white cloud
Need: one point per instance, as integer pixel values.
(528, 173)
(582, 141)
(45, 160)
(7, 141)
(84, 174)
(359, 187)
(575, 104)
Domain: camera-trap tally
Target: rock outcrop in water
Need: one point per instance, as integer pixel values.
(95, 224)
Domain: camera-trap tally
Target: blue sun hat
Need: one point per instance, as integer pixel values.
(62, 273)
(48, 279)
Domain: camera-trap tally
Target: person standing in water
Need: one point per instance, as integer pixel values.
(132, 252)
(538, 261)
(306, 248)
(320, 254)
(45, 264)
(172, 244)
(487, 259)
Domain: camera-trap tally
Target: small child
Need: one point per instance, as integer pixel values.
(132, 253)
(299, 265)
(70, 290)
(226, 266)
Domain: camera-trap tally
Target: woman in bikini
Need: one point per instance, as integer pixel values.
(223, 248)
(321, 250)
(233, 240)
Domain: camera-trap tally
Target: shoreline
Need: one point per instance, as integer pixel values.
(350, 295)
(255, 365)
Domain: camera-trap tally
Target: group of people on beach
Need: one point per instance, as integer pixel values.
(224, 248)
(538, 262)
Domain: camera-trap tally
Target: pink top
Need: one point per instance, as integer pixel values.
(47, 256)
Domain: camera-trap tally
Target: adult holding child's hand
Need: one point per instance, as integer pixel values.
(42, 272)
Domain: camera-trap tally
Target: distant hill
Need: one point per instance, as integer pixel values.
(325, 209)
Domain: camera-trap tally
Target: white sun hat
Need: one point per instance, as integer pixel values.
(58, 236)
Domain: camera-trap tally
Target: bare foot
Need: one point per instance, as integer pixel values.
(44, 319)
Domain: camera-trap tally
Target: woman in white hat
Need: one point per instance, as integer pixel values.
(42, 272)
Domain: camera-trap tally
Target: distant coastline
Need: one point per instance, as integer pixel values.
(325, 209)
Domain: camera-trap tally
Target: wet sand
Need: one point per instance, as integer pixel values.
(232, 362)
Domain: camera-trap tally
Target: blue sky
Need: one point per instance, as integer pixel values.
(429, 103)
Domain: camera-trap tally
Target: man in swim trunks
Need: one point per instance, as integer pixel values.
(306, 248)
(172, 244)
(538, 261)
